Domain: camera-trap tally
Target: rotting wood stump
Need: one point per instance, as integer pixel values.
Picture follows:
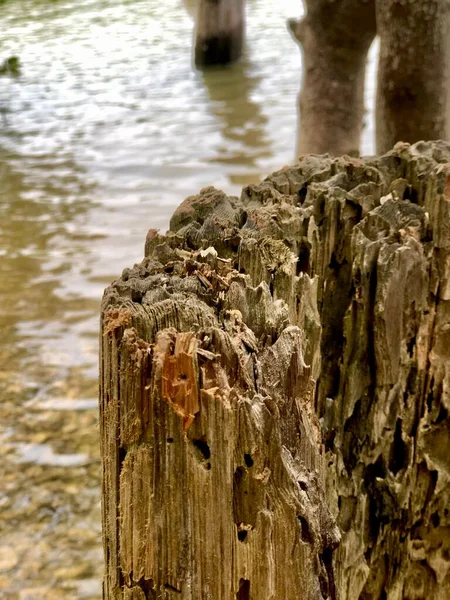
(275, 390)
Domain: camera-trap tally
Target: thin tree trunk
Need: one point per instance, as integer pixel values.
(335, 38)
(413, 97)
(216, 483)
(220, 30)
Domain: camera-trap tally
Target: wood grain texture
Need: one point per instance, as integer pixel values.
(275, 390)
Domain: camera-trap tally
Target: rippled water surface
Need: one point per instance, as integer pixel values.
(105, 131)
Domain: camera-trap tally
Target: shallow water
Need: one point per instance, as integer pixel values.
(107, 129)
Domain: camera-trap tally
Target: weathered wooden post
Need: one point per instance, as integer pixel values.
(219, 32)
(335, 38)
(275, 375)
(213, 468)
(413, 88)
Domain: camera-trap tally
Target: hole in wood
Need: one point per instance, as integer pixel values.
(305, 531)
(242, 535)
(244, 590)
(323, 583)
(430, 396)
(411, 194)
(170, 440)
(147, 586)
(410, 345)
(203, 448)
(136, 295)
(122, 454)
(399, 455)
(320, 205)
(442, 416)
(368, 554)
(303, 258)
(435, 520)
(302, 192)
(327, 585)
(248, 460)
(171, 588)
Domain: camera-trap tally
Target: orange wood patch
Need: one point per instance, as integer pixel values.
(180, 377)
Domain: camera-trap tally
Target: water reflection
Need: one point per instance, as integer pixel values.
(242, 123)
(44, 200)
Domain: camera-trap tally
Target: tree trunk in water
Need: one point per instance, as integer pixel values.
(413, 97)
(220, 30)
(218, 481)
(335, 38)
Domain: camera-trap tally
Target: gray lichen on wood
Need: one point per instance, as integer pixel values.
(275, 376)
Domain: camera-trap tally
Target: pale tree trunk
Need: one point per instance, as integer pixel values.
(219, 32)
(413, 97)
(219, 480)
(191, 7)
(335, 38)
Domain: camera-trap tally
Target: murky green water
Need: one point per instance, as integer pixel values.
(107, 129)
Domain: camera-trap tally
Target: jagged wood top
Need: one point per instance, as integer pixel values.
(343, 264)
